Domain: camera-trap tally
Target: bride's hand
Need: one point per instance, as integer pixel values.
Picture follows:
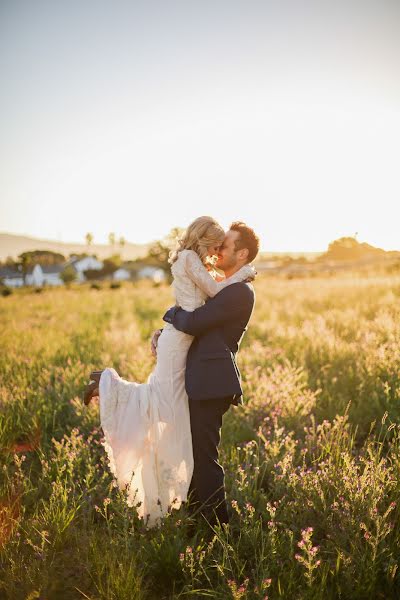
(249, 272)
(154, 341)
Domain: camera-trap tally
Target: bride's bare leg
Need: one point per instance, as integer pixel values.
(91, 391)
(96, 375)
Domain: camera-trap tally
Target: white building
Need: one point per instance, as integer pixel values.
(84, 264)
(11, 276)
(155, 274)
(122, 274)
(37, 275)
(41, 275)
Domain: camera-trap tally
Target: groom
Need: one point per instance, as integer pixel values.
(213, 380)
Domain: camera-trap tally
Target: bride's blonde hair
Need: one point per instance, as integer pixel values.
(200, 235)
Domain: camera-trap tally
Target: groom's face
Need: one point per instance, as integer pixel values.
(227, 255)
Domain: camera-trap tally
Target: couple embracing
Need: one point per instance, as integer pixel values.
(162, 437)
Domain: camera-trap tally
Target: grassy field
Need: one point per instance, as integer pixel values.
(311, 460)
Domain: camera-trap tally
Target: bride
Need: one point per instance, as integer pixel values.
(146, 426)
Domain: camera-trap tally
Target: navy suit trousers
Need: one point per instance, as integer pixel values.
(207, 488)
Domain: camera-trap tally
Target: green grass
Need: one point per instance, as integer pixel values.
(311, 460)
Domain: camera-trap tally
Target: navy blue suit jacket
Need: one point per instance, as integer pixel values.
(218, 327)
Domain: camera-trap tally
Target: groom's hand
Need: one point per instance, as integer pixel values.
(154, 341)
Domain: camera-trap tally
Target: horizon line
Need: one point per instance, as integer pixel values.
(73, 243)
(82, 243)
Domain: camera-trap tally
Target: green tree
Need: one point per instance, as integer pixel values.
(25, 261)
(89, 238)
(348, 248)
(111, 239)
(42, 257)
(68, 274)
(158, 253)
(111, 264)
(9, 261)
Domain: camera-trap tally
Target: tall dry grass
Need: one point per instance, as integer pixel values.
(311, 459)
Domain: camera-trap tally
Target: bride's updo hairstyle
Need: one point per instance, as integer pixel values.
(200, 235)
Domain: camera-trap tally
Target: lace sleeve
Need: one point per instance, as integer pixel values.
(198, 273)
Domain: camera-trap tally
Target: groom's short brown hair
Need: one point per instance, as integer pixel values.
(247, 239)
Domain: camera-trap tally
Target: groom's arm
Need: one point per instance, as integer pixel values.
(226, 306)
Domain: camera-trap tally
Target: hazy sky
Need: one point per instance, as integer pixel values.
(135, 117)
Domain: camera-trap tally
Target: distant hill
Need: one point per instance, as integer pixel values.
(13, 245)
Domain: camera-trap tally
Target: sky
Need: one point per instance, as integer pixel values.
(136, 117)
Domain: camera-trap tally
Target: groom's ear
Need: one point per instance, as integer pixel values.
(243, 254)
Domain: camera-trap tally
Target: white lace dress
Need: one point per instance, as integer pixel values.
(146, 426)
